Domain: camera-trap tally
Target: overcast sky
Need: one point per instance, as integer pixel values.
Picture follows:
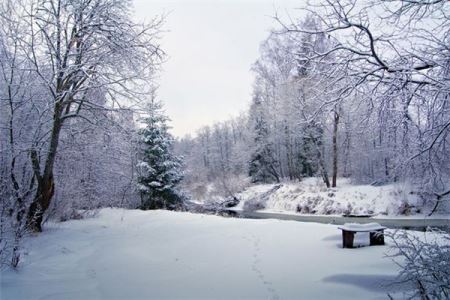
(211, 45)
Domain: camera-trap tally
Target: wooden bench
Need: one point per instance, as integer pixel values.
(349, 229)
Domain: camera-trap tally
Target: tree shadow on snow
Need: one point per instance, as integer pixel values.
(334, 237)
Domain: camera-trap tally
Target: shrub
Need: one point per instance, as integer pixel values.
(424, 263)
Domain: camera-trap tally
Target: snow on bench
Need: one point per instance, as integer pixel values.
(349, 229)
(356, 227)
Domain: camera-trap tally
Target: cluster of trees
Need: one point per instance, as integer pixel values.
(74, 75)
(378, 73)
(96, 164)
(218, 155)
(357, 89)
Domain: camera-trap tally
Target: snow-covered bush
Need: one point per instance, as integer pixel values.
(229, 186)
(424, 263)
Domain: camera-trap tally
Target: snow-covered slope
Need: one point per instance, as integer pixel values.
(169, 255)
(310, 196)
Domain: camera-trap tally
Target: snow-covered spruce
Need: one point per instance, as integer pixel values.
(159, 169)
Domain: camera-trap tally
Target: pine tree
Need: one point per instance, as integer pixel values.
(160, 169)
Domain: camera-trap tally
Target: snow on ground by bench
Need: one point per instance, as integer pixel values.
(310, 196)
(171, 255)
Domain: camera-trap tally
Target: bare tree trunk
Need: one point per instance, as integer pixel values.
(323, 168)
(46, 183)
(347, 167)
(289, 155)
(335, 147)
(40, 204)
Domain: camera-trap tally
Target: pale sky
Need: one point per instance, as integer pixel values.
(211, 45)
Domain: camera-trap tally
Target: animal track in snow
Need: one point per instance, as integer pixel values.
(255, 268)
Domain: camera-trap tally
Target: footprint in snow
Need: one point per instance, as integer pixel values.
(259, 273)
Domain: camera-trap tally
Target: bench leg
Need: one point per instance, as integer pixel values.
(377, 238)
(347, 239)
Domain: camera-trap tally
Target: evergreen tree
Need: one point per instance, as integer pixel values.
(263, 166)
(160, 169)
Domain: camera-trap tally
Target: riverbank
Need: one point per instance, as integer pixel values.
(403, 222)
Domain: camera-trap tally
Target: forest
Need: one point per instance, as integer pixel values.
(349, 93)
(334, 96)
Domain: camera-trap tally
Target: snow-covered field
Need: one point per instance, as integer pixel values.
(171, 255)
(310, 196)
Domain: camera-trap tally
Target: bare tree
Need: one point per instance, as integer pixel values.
(77, 48)
(395, 57)
(17, 183)
(335, 146)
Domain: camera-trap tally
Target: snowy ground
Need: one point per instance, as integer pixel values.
(169, 255)
(310, 196)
